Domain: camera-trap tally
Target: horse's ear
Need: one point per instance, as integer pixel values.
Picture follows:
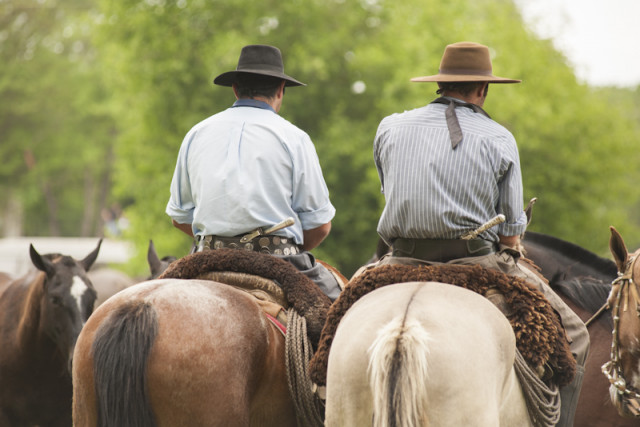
(41, 263)
(152, 258)
(88, 261)
(618, 249)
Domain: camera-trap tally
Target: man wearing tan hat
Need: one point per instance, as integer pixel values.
(247, 169)
(447, 169)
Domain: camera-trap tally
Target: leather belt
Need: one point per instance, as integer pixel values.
(441, 250)
(275, 245)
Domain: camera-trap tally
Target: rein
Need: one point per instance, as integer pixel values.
(597, 314)
(613, 369)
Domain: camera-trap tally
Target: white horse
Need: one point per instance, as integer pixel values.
(424, 354)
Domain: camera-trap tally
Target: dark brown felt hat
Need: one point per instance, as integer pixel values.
(258, 59)
(465, 62)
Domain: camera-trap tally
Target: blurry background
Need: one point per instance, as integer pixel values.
(96, 96)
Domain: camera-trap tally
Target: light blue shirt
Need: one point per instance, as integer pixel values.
(435, 192)
(247, 167)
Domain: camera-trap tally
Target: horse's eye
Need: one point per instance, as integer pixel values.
(56, 300)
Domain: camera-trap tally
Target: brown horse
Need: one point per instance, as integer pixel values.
(157, 265)
(623, 370)
(191, 352)
(5, 278)
(583, 281)
(186, 353)
(41, 315)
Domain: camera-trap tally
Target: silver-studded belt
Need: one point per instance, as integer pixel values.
(276, 245)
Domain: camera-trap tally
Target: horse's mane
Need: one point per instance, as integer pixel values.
(573, 251)
(587, 292)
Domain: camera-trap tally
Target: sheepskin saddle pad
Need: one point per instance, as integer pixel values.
(299, 292)
(540, 336)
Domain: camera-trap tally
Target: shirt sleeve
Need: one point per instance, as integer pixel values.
(377, 143)
(181, 205)
(310, 198)
(510, 201)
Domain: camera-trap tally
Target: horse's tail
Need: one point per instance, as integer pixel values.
(121, 349)
(398, 374)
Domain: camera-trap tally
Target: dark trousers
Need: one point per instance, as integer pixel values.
(306, 263)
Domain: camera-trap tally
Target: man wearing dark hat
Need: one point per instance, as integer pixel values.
(447, 169)
(247, 169)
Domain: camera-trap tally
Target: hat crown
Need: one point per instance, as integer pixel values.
(466, 58)
(260, 57)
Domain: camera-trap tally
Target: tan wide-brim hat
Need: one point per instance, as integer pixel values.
(465, 62)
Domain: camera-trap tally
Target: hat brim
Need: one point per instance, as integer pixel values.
(450, 78)
(229, 78)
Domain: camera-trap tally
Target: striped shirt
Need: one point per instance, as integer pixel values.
(435, 192)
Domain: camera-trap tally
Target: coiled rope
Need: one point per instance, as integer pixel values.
(543, 402)
(309, 407)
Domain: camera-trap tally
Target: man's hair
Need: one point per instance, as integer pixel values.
(253, 85)
(463, 88)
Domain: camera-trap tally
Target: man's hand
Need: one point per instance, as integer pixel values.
(511, 241)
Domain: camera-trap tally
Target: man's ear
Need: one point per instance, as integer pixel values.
(235, 90)
(482, 90)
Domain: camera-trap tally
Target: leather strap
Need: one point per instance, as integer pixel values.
(441, 250)
(275, 245)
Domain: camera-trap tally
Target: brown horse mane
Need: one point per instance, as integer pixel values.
(29, 309)
(587, 293)
(571, 250)
(539, 332)
(30, 306)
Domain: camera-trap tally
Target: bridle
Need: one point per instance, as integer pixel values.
(630, 399)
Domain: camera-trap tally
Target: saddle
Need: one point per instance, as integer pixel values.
(540, 336)
(275, 283)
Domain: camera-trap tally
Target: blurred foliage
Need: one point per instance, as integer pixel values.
(101, 92)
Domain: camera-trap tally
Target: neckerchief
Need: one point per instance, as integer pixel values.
(453, 125)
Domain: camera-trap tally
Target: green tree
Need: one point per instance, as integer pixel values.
(106, 90)
(358, 58)
(55, 134)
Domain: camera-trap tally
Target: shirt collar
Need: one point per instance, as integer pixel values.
(248, 102)
(462, 101)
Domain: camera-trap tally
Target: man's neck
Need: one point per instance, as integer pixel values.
(253, 102)
(271, 101)
(472, 98)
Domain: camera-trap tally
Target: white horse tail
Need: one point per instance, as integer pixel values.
(398, 374)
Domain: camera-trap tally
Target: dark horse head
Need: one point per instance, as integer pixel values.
(157, 265)
(67, 297)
